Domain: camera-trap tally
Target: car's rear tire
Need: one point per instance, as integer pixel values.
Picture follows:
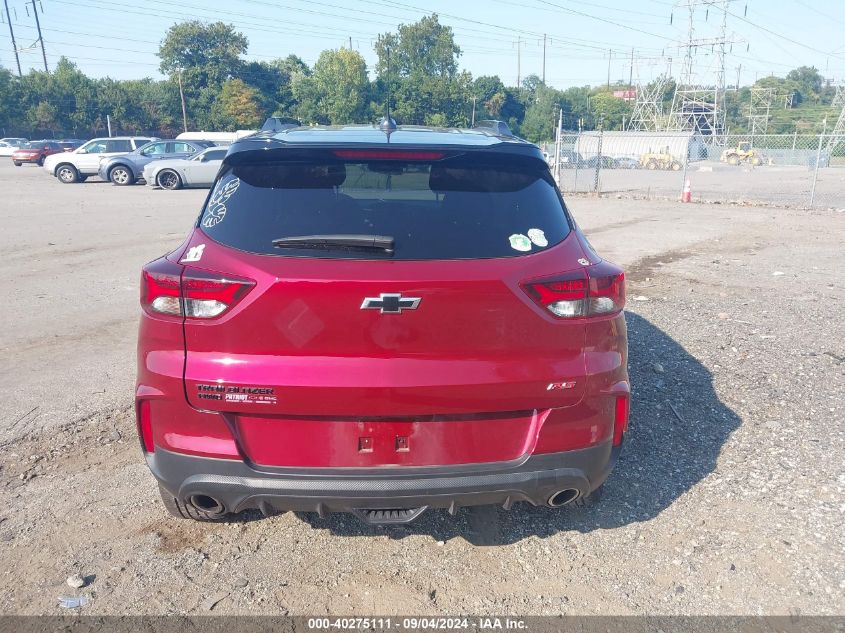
(186, 510)
(168, 179)
(41, 162)
(121, 175)
(67, 174)
(17, 163)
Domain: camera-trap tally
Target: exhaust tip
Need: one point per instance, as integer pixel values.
(207, 504)
(563, 497)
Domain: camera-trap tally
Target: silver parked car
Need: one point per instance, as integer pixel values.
(197, 171)
(126, 169)
(76, 166)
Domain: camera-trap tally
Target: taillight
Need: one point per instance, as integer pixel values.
(169, 288)
(620, 420)
(145, 426)
(594, 291)
(160, 287)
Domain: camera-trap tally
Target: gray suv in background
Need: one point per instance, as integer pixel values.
(127, 169)
(78, 165)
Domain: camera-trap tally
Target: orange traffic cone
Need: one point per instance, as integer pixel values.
(686, 196)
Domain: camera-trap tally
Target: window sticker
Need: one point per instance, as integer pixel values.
(194, 253)
(538, 238)
(520, 242)
(217, 204)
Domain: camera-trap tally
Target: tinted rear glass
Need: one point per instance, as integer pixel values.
(455, 208)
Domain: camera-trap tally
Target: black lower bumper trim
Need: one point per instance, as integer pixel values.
(403, 492)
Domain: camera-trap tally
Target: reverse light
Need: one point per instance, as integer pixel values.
(593, 291)
(168, 288)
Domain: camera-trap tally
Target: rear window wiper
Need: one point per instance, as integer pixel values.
(333, 242)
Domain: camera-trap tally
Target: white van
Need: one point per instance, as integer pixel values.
(218, 138)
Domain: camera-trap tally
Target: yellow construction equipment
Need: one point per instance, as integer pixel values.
(742, 153)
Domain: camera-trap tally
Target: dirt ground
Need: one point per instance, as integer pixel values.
(728, 499)
(715, 182)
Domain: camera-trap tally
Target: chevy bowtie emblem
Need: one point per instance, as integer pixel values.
(390, 303)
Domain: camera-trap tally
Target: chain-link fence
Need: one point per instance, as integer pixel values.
(792, 170)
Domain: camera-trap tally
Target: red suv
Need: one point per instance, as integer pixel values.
(380, 321)
(35, 152)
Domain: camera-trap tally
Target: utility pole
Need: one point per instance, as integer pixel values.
(12, 33)
(40, 37)
(518, 62)
(182, 96)
(544, 56)
(108, 124)
(350, 42)
(474, 99)
(609, 57)
(631, 73)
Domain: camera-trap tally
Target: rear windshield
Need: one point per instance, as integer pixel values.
(453, 208)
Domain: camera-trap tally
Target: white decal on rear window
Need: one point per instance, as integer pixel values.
(217, 204)
(194, 253)
(538, 237)
(520, 242)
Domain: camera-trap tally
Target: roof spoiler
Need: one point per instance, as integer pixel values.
(279, 123)
(500, 128)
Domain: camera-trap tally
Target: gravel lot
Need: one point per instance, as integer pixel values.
(729, 498)
(712, 181)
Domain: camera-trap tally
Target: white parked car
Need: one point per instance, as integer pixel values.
(9, 145)
(175, 173)
(76, 166)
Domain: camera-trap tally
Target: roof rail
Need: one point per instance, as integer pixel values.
(499, 127)
(279, 123)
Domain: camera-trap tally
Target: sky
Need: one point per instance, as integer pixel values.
(585, 40)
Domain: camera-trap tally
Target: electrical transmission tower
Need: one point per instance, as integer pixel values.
(648, 114)
(699, 102)
(759, 110)
(839, 129)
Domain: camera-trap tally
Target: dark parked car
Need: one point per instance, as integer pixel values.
(381, 320)
(127, 169)
(35, 152)
(70, 144)
(607, 162)
(626, 162)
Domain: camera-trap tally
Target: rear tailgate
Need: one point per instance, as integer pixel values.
(458, 365)
(299, 345)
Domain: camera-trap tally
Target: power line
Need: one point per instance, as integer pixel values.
(781, 36)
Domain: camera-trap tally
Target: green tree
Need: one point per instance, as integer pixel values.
(238, 106)
(541, 113)
(808, 83)
(43, 116)
(341, 83)
(207, 54)
(609, 111)
(424, 77)
(11, 98)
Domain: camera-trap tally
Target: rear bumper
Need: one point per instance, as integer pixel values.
(239, 486)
